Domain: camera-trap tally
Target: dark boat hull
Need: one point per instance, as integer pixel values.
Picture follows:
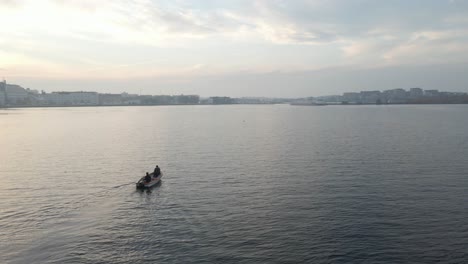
(141, 184)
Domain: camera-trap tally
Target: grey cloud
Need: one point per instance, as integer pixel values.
(354, 19)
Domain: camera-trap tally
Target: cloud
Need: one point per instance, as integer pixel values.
(448, 46)
(92, 38)
(159, 23)
(156, 23)
(10, 3)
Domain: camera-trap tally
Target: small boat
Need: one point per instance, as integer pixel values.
(142, 184)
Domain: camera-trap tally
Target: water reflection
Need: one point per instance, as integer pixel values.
(247, 184)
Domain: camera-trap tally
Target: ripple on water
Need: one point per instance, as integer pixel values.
(242, 184)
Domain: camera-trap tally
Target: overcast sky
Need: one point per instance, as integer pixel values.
(288, 48)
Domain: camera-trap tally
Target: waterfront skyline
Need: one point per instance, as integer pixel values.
(237, 48)
(13, 95)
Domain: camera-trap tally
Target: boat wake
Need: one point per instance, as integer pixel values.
(122, 185)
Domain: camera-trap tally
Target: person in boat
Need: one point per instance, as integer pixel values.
(157, 171)
(147, 177)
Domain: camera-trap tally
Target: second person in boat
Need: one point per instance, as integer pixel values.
(157, 171)
(147, 177)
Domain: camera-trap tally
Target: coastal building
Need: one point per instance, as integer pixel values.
(352, 98)
(71, 98)
(206, 101)
(370, 97)
(222, 100)
(431, 93)
(110, 99)
(416, 93)
(261, 100)
(146, 99)
(131, 99)
(2, 93)
(163, 99)
(187, 99)
(395, 96)
(329, 99)
(15, 94)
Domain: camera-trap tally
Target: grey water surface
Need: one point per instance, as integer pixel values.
(241, 184)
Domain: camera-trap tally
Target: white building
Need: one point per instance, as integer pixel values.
(72, 98)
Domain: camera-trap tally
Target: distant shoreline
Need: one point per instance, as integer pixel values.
(80, 106)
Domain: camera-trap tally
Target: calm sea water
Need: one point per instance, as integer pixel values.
(242, 184)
